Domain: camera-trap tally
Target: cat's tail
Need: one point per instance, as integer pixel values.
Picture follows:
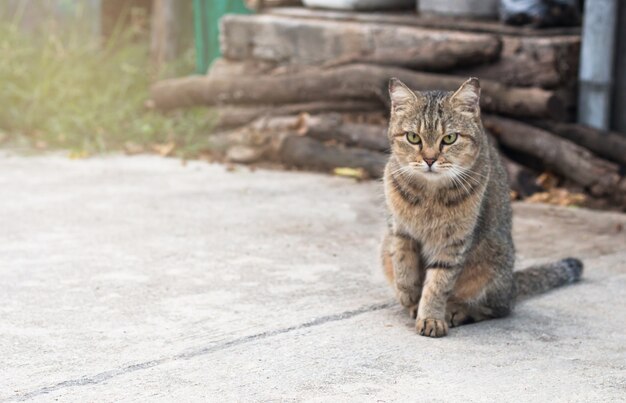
(544, 277)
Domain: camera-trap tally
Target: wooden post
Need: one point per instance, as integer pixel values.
(165, 31)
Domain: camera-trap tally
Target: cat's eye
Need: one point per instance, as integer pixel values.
(449, 138)
(413, 138)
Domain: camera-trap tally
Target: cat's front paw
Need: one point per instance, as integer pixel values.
(458, 318)
(431, 327)
(408, 299)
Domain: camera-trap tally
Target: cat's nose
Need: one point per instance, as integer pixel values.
(430, 161)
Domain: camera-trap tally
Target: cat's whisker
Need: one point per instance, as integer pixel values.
(472, 175)
(458, 179)
(403, 171)
(475, 174)
(464, 177)
(399, 172)
(466, 185)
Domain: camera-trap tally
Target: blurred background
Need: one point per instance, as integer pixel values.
(302, 84)
(76, 75)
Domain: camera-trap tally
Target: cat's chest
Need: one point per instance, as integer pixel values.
(427, 219)
(434, 230)
(428, 225)
(433, 225)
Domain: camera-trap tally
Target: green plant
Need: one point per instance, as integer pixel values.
(64, 89)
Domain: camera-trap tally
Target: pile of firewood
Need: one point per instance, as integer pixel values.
(311, 92)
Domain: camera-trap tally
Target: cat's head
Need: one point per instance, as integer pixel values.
(435, 135)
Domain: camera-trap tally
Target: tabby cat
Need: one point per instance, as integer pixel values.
(448, 250)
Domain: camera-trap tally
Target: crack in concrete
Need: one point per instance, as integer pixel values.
(106, 375)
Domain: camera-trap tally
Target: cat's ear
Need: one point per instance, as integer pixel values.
(467, 98)
(400, 95)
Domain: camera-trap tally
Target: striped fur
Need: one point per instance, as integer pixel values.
(449, 252)
(538, 279)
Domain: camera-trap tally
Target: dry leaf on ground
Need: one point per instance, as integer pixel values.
(164, 149)
(357, 173)
(559, 197)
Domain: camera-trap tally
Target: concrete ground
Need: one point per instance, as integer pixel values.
(140, 279)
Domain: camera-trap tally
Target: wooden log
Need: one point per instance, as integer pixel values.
(331, 127)
(610, 145)
(261, 138)
(326, 127)
(427, 57)
(344, 83)
(233, 116)
(561, 156)
(526, 61)
(285, 41)
(306, 152)
(280, 139)
(547, 62)
(228, 68)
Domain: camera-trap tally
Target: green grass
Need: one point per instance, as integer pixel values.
(65, 90)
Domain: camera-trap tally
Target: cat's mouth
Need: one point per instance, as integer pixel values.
(434, 172)
(430, 169)
(430, 172)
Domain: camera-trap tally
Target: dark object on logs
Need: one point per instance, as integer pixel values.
(521, 179)
(609, 145)
(561, 156)
(305, 152)
(540, 13)
(350, 82)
